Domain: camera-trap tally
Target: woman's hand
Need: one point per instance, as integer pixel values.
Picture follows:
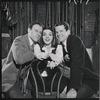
(42, 56)
(51, 64)
(55, 58)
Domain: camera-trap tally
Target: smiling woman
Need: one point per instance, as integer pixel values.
(83, 19)
(47, 36)
(50, 57)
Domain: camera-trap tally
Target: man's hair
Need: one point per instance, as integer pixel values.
(33, 23)
(66, 25)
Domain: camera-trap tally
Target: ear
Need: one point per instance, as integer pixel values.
(28, 30)
(68, 31)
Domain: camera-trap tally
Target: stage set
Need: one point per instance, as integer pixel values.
(82, 16)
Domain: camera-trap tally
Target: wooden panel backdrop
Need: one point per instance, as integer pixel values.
(83, 19)
(48, 13)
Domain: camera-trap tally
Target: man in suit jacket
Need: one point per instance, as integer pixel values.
(20, 53)
(84, 81)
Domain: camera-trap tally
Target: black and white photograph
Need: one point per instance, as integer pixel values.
(50, 49)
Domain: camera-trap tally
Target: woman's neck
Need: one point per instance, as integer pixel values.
(48, 47)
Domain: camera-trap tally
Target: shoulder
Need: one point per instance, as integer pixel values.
(74, 39)
(20, 38)
(36, 45)
(58, 47)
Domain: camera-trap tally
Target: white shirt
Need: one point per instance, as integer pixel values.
(65, 45)
(30, 41)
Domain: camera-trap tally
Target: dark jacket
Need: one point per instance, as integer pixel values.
(80, 64)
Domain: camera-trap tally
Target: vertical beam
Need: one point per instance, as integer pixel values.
(31, 11)
(28, 12)
(72, 17)
(49, 13)
(58, 8)
(52, 14)
(63, 11)
(36, 10)
(83, 22)
(26, 17)
(78, 18)
(66, 12)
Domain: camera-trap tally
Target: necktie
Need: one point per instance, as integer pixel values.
(64, 51)
(66, 56)
(32, 47)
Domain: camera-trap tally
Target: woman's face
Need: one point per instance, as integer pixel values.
(47, 36)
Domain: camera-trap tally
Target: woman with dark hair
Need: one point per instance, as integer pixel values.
(50, 56)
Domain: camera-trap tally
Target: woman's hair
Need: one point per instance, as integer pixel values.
(49, 28)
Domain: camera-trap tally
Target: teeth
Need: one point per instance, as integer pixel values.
(47, 40)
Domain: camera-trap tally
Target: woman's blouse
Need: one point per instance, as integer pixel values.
(55, 53)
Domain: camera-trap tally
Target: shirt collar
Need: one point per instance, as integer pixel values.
(64, 43)
(30, 41)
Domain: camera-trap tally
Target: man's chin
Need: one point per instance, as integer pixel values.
(60, 40)
(36, 40)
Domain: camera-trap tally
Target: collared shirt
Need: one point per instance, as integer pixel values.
(30, 41)
(65, 45)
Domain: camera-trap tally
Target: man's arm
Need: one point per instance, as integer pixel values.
(20, 53)
(38, 53)
(77, 55)
(58, 56)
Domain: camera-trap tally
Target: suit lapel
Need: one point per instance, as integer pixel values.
(67, 43)
(27, 41)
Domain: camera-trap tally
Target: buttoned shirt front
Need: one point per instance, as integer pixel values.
(65, 45)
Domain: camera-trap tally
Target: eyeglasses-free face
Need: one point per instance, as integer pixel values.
(35, 33)
(61, 33)
(47, 36)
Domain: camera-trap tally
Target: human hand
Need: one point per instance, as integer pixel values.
(51, 64)
(47, 55)
(71, 93)
(66, 57)
(40, 57)
(55, 58)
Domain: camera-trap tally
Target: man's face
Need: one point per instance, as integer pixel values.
(61, 33)
(35, 32)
